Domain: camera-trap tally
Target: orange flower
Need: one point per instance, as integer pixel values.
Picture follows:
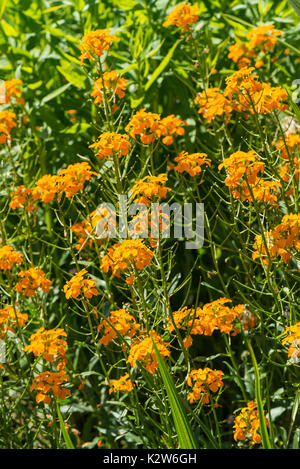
(94, 43)
(118, 321)
(74, 177)
(122, 384)
(290, 146)
(22, 197)
(46, 188)
(113, 84)
(150, 188)
(127, 256)
(9, 257)
(78, 286)
(204, 382)
(31, 280)
(240, 165)
(86, 230)
(145, 124)
(246, 424)
(50, 383)
(264, 36)
(240, 54)
(11, 319)
(183, 16)
(170, 126)
(213, 104)
(49, 345)
(12, 89)
(292, 338)
(110, 143)
(7, 123)
(262, 191)
(142, 350)
(191, 163)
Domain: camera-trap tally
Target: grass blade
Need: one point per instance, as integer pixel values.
(68, 441)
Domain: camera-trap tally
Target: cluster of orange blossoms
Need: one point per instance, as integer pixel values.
(118, 322)
(127, 256)
(204, 381)
(31, 280)
(204, 321)
(85, 229)
(49, 345)
(68, 181)
(243, 93)
(80, 286)
(112, 84)
(149, 126)
(293, 340)
(246, 424)
(183, 16)
(111, 143)
(243, 180)
(289, 146)
(280, 241)
(191, 163)
(9, 257)
(51, 383)
(12, 89)
(260, 39)
(10, 320)
(142, 350)
(94, 43)
(122, 384)
(150, 188)
(7, 123)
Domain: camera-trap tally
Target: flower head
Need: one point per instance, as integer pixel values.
(122, 384)
(9, 257)
(49, 345)
(204, 382)
(113, 84)
(142, 350)
(191, 163)
(94, 43)
(80, 286)
(119, 321)
(111, 143)
(246, 424)
(183, 16)
(49, 384)
(31, 280)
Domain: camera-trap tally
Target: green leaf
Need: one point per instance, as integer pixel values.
(184, 431)
(162, 65)
(72, 73)
(296, 5)
(68, 441)
(54, 93)
(3, 6)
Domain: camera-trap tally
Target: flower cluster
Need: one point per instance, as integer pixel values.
(204, 382)
(49, 345)
(112, 84)
(191, 163)
(94, 43)
(12, 89)
(7, 123)
(31, 280)
(183, 16)
(150, 189)
(122, 384)
(11, 319)
(246, 424)
(118, 322)
(127, 256)
(292, 339)
(111, 143)
(142, 351)
(9, 257)
(80, 286)
(49, 384)
(24, 198)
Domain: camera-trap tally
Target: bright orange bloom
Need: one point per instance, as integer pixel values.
(204, 382)
(170, 126)
(49, 345)
(262, 191)
(240, 54)
(292, 339)
(122, 384)
(183, 16)
(127, 256)
(240, 165)
(46, 188)
(142, 350)
(246, 424)
(263, 36)
(31, 280)
(11, 320)
(113, 84)
(291, 146)
(22, 197)
(110, 143)
(86, 230)
(94, 43)
(12, 89)
(50, 384)
(7, 123)
(9, 257)
(74, 177)
(191, 163)
(80, 286)
(213, 104)
(150, 189)
(118, 321)
(280, 241)
(145, 124)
